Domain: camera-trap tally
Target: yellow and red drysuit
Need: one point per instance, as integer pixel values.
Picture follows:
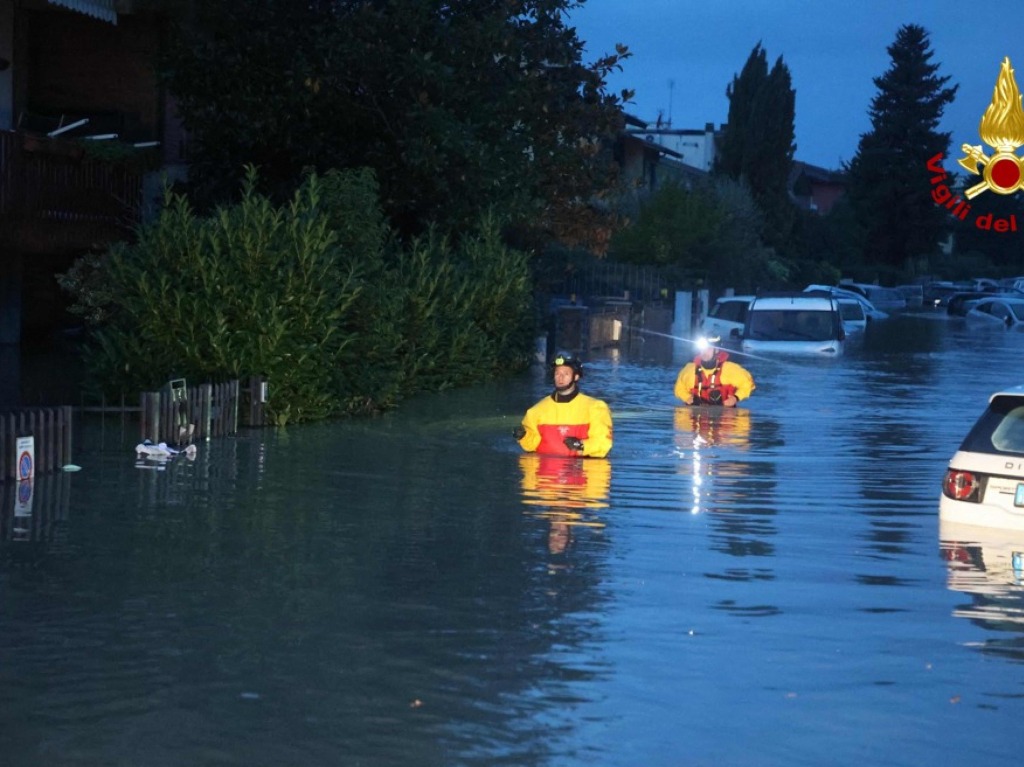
(558, 416)
(700, 385)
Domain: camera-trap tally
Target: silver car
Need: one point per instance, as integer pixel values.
(997, 312)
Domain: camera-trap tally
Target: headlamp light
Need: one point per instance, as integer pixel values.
(705, 342)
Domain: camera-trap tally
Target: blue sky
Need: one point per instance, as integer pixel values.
(833, 48)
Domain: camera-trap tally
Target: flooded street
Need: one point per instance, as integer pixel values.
(761, 586)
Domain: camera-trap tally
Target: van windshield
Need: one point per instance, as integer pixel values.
(791, 325)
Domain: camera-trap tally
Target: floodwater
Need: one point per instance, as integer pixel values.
(764, 586)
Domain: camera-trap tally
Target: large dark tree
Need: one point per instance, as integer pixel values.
(888, 186)
(458, 105)
(758, 140)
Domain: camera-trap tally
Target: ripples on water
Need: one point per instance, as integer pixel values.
(767, 585)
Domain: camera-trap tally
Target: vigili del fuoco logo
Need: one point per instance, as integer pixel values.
(1002, 128)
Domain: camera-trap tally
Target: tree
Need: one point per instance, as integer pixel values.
(457, 106)
(707, 233)
(758, 141)
(887, 187)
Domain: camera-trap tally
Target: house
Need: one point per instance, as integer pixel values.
(647, 164)
(639, 158)
(694, 148)
(85, 132)
(815, 189)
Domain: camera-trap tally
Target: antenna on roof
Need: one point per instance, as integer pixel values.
(671, 87)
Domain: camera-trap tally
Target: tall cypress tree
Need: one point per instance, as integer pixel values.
(887, 187)
(758, 141)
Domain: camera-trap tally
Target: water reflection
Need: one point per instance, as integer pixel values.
(34, 510)
(736, 492)
(987, 565)
(712, 426)
(697, 431)
(568, 490)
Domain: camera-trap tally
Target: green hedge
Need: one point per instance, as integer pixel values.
(315, 295)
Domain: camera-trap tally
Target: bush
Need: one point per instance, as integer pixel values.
(315, 295)
(437, 316)
(253, 289)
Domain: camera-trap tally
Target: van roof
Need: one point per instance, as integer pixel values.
(807, 301)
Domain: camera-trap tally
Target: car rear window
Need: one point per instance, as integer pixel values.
(1000, 428)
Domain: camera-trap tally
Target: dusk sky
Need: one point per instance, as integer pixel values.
(833, 48)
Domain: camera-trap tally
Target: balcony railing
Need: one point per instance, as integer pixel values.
(55, 198)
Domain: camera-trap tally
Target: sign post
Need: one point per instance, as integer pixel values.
(26, 451)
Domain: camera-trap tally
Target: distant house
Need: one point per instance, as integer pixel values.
(648, 162)
(640, 159)
(815, 189)
(694, 148)
(659, 153)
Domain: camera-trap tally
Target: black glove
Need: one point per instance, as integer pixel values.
(519, 432)
(573, 443)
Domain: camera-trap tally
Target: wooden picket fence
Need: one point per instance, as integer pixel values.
(50, 428)
(214, 410)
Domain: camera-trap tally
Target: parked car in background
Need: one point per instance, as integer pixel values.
(996, 311)
(727, 317)
(870, 310)
(855, 320)
(936, 294)
(795, 323)
(984, 482)
(912, 294)
(958, 304)
(886, 299)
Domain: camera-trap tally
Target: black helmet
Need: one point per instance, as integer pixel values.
(569, 359)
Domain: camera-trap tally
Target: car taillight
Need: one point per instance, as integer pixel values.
(962, 485)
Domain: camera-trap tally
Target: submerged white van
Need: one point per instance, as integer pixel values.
(799, 323)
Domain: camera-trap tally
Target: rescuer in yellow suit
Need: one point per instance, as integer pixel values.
(713, 379)
(567, 422)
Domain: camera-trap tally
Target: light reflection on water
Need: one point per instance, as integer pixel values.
(767, 585)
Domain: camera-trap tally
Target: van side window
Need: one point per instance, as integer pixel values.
(733, 311)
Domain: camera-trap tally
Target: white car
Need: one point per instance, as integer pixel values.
(871, 311)
(727, 317)
(984, 483)
(886, 299)
(997, 312)
(854, 318)
(796, 323)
